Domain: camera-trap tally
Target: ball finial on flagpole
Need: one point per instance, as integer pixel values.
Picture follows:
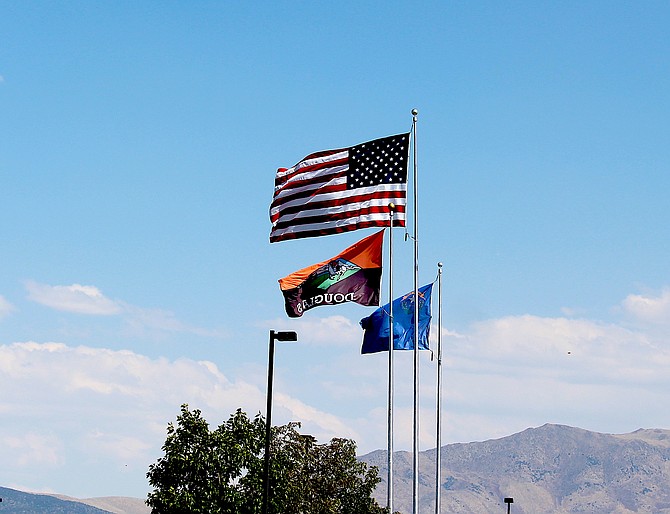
(414, 112)
(391, 207)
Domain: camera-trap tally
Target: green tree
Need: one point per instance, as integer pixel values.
(220, 471)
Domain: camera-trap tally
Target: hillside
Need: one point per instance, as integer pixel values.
(552, 469)
(115, 504)
(18, 502)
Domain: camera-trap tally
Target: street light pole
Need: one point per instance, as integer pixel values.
(274, 336)
(509, 502)
(268, 424)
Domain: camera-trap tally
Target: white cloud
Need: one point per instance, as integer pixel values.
(331, 330)
(539, 345)
(5, 307)
(109, 408)
(32, 449)
(650, 309)
(141, 320)
(64, 406)
(125, 448)
(326, 425)
(504, 375)
(500, 376)
(74, 298)
(79, 407)
(511, 373)
(89, 300)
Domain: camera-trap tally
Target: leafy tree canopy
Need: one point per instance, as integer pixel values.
(220, 471)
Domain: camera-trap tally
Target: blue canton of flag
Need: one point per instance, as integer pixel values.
(376, 326)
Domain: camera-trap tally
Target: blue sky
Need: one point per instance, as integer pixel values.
(139, 143)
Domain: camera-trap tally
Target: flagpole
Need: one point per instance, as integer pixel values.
(438, 428)
(415, 484)
(389, 489)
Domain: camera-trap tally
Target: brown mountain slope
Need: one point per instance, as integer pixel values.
(552, 469)
(112, 504)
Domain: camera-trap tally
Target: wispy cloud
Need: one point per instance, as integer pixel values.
(89, 300)
(74, 298)
(6, 308)
(140, 319)
(331, 330)
(34, 449)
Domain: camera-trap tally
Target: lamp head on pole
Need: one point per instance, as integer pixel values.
(284, 336)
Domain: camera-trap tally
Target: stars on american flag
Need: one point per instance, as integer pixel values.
(382, 161)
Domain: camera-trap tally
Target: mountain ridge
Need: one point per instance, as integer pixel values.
(551, 469)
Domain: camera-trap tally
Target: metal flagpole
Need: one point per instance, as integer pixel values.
(438, 412)
(389, 489)
(415, 484)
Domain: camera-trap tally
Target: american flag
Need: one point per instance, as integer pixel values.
(341, 190)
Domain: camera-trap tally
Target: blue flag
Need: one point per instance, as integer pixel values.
(376, 326)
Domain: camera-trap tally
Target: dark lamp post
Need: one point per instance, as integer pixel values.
(509, 502)
(282, 337)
